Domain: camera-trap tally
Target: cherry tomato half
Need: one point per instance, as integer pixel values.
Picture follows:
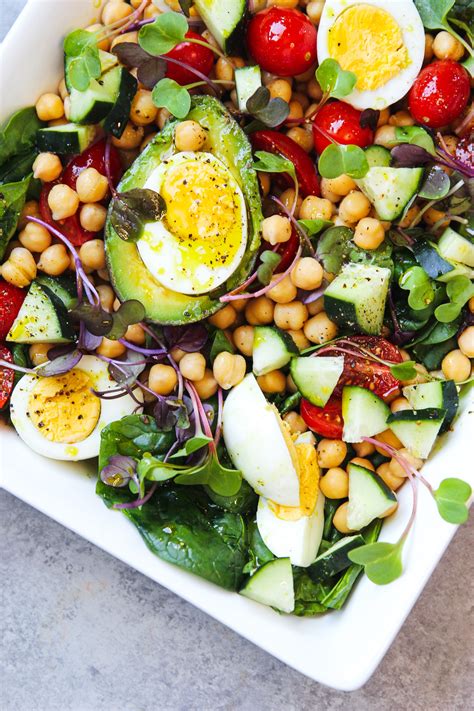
(196, 55)
(440, 93)
(11, 299)
(287, 251)
(341, 122)
(7, 377)
(325, 421)
(282, 41)
(274, 142)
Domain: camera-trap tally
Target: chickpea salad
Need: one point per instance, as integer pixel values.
(237, 260)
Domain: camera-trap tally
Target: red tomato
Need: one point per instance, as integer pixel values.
(282, 41)
(274, 142)
(440, 93)
(364, 372)
(7, 377)
(11, 299)
(342, 122)
(196, 55)
(287, 251)
(93, 157)
(325, 421)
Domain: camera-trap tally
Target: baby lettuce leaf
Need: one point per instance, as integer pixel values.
(133, 435)
(12, 199)
(18, 133)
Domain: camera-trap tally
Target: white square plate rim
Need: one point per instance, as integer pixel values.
(342, 649)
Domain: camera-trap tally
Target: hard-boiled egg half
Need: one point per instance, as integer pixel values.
(60, 417)
(201, 240)
(382, 42)
(284, 472)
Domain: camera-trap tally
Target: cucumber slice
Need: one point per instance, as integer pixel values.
(272, 585)
(363, 412)
(457, 270)
(369, 497)
(390, 189)
(225, 21)
(66, 139)
(316, 378)
(92, 105)
(356, 297)
(107, 61)
(417, 429)
(117, 118)
(247, 81)
(272, 349)
(454, 246)
(377, 156)
(335, 558)
(441, 394)
(63, 287)
(41, 319)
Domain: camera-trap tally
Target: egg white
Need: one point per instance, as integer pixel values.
(110, 410)
(406, 15)
(160, 249)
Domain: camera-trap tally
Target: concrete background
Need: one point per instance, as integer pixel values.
(80, 631)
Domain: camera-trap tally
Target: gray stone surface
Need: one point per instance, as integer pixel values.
(80, 631)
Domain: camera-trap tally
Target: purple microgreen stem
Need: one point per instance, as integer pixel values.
(143, 351)
(16, 368)
(290, 214)
(220, 404)
(138, 502)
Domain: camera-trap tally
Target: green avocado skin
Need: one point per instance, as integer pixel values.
(130, 278)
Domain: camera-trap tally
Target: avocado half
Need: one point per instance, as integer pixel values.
(129, 275)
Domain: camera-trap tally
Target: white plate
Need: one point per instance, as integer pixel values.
(341, 649)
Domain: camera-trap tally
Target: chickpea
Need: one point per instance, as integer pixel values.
(265, 183)
(291, 4)
(189, 136)
(354, 207)
(362, 462)
(63, 201)
(107, 297)
(315, 307)
(383, 117)
(369, 233)
(229, 369)
(342, 185)
(314, 10)
(272, 382)
(283, 292)
(296, 111)
(130, 138)
(67, 108)
(363, 449)
(420, 376)
(92, 254)
(111, 349)
(300, 136)
(162, 379)
(20, 267)
(280, 89)
(92, 216)
(114, 11)
(290, 384)
(445, 46)
(432, 216)
(397, 470)
(54, 260)
(307, 274)
(300, 340)
(35, 237)
(99, 29)
(300, 94)
(225, 71)
(125, 37)
(162, 118)
(207, 387)
(295, 422)
(91, 186)
(429, 39)
(288, 199)
(276, 229)
(291, 317)
(340, 519)
(259, 311)
(47, 167)
(320, 328)
(192, 366)
(135, 334)
(224, 318)
(49, 107)
(327, 194)
(335, 483)
(399, 404)
(385, 136)
(410, 215)
(456, 366)
(143, 111)
(243, 339)
(390, 438)
(331, 453)
(392, 481)
(151, 12)
(314, 208)
(30, 209)
(466, 342)
(401, 118)
(470, 304)
(314, 92)
(239, 305)
(38, 353)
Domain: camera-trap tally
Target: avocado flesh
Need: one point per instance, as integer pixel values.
(129, 275)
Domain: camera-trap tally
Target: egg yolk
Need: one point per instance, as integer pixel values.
(368, 41)
(63, 408)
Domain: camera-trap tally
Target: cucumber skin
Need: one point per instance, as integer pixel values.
(61, 142)
(332, 563)
(116, 120)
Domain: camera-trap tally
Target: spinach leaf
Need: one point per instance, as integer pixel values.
(220, 343)
(17, 167)
(18, 133)
(432, 355)
(12, 199)
(434, 15)
(257, 552)
(308, 594)
(133, 435)
(243, 502)
(335, 248)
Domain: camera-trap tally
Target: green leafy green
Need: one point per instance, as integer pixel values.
(382, 561)
(273, 163)
(431, 356)
(185, 6)
(436, 184)
(211, 472)
(417, 282)
(404, 371)
(82, 58)
(269, 262)
(193, 444)
(335, 247)
(415, 136)
(429, 258)
(333, 80)
(153, 469)
(220, 343)
(12, 199)
(451, 497)
(270, 112)
(170, 95)
(308, 594)
(314, 227)
(257, 552)
(160, 36)
(434, 15)
(133, 435)
(128, 313)
(132, 210)
(18, 134)
(337, 160)
(243, 502)
(459, 290)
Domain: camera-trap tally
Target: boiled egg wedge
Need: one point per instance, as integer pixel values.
(381, 42)
(202, 238)
(60, 417)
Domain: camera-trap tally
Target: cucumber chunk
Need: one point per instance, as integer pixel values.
(66, 139)
(42, 318)
(417, 429)
(224, 20)
(369, 497)
(92, 105)
(247, 81)
(335, 558)
(454, 246)
(316, 378)
(117, 118)
(441, 394)
(356, 297)
(363, 412)
(390, 189)
(63, 287)
(378, 156)
(272, 585)
(272, 349)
